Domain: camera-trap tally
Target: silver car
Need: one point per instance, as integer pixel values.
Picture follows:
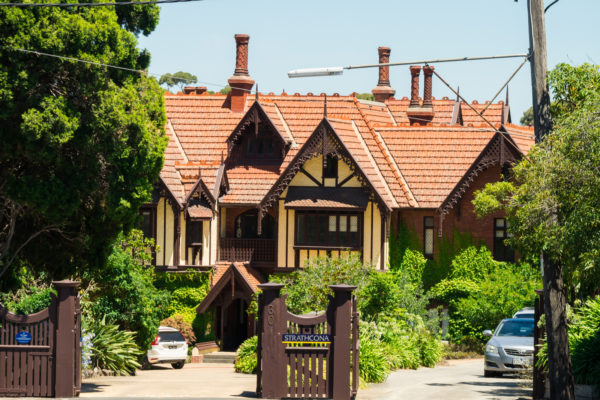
(510, 348)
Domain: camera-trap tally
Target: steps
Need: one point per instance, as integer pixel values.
(219, 357)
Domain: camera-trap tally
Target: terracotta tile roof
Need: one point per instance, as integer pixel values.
(249, 184)
(200, 212)
(169, 173)
(326, 197)
(433, 159)
(250, 275)
(442, 110)
(351, 137)
(523, 136)
(494, 113)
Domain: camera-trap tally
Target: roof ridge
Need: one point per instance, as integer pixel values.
(373, 162)
(397, 173)
(285, 125)
(177, 142)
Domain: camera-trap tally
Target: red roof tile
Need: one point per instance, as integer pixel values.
(523, 136)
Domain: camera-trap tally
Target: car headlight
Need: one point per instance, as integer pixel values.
(490, 348)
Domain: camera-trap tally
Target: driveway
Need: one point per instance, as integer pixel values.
(456, 380)
(203, 381)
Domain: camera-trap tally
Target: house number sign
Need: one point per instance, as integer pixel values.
(23, 337)
(309, 338)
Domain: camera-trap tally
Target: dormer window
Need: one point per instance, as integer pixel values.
(261, 146)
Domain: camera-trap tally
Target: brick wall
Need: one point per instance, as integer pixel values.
(461, 218)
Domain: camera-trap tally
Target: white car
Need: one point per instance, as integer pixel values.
(525, 312)
(169, 346)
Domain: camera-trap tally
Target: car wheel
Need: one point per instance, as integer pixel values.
(178, 365)
(491, 374)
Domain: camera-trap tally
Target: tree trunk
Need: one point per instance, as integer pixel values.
(559, 359)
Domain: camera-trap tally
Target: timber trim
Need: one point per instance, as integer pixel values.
(496, 152)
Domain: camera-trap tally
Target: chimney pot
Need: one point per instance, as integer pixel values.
(415, 71)
(241, 83)
(194, 89)
(428, 86)
(383, 91)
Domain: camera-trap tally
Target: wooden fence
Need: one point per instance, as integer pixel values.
(40, 354)
(301, 368)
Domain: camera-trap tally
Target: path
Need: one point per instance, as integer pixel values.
(458, 380)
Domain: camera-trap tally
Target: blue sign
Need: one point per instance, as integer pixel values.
(306, 338)
(23, 337)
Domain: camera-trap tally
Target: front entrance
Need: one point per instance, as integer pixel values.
(235, 324)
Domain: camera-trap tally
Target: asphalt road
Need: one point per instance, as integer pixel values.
(457, 380)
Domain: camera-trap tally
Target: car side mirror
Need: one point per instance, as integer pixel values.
(487, 332)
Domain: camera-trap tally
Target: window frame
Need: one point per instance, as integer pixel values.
(501, 251)
(428, 227)
(152, 210)
(190, 223)
(339, 242)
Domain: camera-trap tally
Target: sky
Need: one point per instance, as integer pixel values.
(285, 35)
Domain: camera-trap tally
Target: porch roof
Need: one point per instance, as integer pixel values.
(199, 212)
(326, 197)
(224, 273)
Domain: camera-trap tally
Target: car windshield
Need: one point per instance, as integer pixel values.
(171, 337)
(524, 315)
(512, 327)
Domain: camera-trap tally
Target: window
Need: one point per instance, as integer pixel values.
(194, 233)
(261, 146)
(428, 237)
(330, 168)
(246, 223)
(502, 252)
(147, 222)
(323, 229)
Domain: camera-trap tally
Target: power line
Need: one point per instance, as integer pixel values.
(123, 3)
(437, 61)
(99, 64)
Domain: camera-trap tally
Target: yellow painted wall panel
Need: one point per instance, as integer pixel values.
(367, 234)
(291, 236)
(170, 224)
(214, 242)
(329, 182)
(183, 258)
(281, 229)
(344, 171)
(223, 219)
(160, 237)
(303, 257)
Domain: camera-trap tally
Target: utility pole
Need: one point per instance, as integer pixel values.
(555, 295)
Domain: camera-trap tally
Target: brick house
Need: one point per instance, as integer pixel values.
(256, 183)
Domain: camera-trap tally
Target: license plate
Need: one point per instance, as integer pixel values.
(172, 347)
(518, 361)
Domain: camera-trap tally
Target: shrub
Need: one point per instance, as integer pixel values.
(33, 302)
(246, 360)
(114, 349)
(373, 364)
(380, 296)
(182, 326)
(123, 292)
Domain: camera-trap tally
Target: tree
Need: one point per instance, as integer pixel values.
(180, 79)
(527, 118)
(82, 144)
(553, 204)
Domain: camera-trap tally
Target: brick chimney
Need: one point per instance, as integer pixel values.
(194, 89)
(427, 98)
(383, 90)
(240, 82)
(415, 71)
(420, 114)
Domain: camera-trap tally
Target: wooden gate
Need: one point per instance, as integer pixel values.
(40, 354)
(307, 356)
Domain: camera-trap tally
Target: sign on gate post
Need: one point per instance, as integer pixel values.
(306, 356)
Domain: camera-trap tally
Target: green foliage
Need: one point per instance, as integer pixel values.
(448, 248)
(246, 361)
(527, 118)
(225, 90)
(365, 96)
(380, 296)
(82, 145)
(307, 289)
(123, 293)
(373, 363)
(179, 78)
(480, 292)
(187, 292)
(114, 349)
(553, 205)
(584, 343)
(34, 302)
(401, 239)
(182, 326)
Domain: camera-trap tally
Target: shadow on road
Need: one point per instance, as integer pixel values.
(91, 388)
(502, 388)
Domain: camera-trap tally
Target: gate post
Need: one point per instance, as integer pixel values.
(272, 353)
(340, 370)
(64, 362)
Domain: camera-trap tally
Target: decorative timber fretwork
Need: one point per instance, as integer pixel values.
(222, 182)
(326, 142)
(165, 191)
(200, 195)
(254, 116)
(498, 151)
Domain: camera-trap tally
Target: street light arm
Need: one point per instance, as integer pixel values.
(308, 72)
